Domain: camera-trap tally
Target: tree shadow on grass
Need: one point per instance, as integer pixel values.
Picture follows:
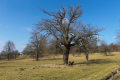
(20, 58)
(111, 55)
(5, 62)
(49, 59)
(5, 66)
(96, 61)
(78, 56)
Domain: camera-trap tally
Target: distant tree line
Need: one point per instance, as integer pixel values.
(53, 47)
(103, 48)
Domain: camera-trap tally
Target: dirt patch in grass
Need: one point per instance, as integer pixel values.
(55, 66)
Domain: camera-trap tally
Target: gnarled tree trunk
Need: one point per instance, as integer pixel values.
(86, 53)
(66, 54)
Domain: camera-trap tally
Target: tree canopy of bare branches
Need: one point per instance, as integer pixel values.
(38, 42)
(9, 47)
(104, 48)
(65, 26)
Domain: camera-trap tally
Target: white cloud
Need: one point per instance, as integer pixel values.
(65, 20)
(114, 37)
(97, 36)
(101, 36)
(29, 29)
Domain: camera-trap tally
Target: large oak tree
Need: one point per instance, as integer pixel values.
(65, 26)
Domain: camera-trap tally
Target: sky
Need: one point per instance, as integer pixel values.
(18, 16)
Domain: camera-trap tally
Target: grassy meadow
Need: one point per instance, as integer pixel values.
(48, 68)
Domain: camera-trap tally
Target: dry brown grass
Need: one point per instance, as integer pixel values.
(49, 68)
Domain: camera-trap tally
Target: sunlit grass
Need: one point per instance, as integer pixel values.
(96, 68)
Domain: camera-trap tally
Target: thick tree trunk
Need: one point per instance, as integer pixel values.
(86, 56)
(86, 53)
(37, 56)
(66, 54)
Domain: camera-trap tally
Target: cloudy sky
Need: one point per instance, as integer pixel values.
(18, 16)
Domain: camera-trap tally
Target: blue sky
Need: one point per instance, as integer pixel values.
(18, 16)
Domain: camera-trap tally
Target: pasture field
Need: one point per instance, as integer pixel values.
(48, 68)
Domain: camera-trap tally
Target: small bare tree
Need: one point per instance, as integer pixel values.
(87, 43)
(111, 47)
(3, 54)
(16, 52)
(28, 50)
(117, 36)
(104, 48)
(38, 42)
(55, 47)
(9, 47)
(65, 27)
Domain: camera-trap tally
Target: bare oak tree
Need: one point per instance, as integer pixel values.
(117, 36)
(3, 54)
(88, 42)
(28, 50)
(86, 46)
(55, 47)
(9, 47)
(38, 42)
(65, 27)
(104, 48)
